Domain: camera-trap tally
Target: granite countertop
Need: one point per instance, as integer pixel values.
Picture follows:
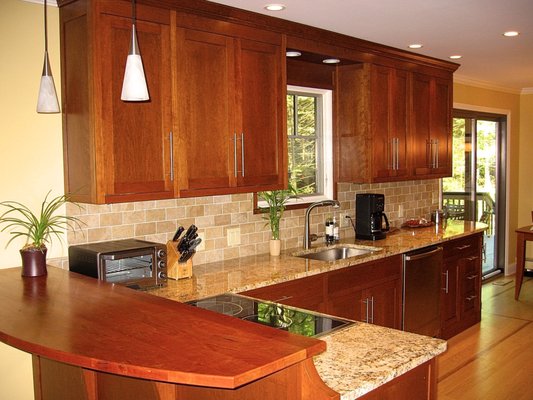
(363, 357)
(241, 274)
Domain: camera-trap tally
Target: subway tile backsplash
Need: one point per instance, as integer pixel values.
(213, 215)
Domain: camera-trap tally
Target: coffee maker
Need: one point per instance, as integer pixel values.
(371, 222)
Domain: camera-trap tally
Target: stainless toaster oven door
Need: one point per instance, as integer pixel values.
(132, 268)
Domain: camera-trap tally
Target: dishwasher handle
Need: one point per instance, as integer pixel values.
(422, 255)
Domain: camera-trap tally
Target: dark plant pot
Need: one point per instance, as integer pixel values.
(33, 262)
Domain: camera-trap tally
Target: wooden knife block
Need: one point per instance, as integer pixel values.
(176, 270)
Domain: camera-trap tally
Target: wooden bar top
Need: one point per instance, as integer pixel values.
(84, 322)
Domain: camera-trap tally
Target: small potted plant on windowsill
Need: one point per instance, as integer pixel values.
(276, 201)
(20, 221)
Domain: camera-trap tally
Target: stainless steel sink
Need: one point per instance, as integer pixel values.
(335, 253)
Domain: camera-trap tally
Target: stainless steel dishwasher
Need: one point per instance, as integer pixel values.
(421, 291)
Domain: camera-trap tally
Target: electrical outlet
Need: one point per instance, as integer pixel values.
(345, 220)
(201, 246)
(234, 236)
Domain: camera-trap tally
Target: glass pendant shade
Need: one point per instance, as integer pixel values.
(134, 85)
(47, 101)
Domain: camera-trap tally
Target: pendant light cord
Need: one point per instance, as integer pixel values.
(133, 11)
(45, 29)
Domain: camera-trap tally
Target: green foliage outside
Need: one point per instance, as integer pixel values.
(302, 142)
(486, 157)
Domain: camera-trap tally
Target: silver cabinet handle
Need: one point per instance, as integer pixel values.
(446, 287)
(242, 154)
(235, 154)
(390, 150)
(372, 309)
(393, 153)
(397, 153)
(366, 316)
(171, 143)
(437, 153)
(470, 298)
(470, 277)
(466, 246)
(433, 152)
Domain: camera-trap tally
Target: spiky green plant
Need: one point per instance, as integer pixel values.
(277, 201)
(20, 221)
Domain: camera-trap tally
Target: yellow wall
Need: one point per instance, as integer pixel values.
(31, 161)
(525, 156)
(493, 99)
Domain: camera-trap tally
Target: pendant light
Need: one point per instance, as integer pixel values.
(134, 86)
(47, 100)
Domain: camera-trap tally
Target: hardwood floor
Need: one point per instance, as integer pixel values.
(492, 360)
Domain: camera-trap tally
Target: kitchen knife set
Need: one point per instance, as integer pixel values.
(186, 246)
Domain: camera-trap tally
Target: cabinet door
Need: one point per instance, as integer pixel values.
(389, 105)
(348, 305)
(133, 140)
(261, 124)
(205, 89)
(382, 304)
(431, 126)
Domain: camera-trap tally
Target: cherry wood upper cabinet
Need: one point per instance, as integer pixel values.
(372, 123)
(392, 124)
(205, 110)
(431, 126)
(114, 151)
(389, 123)
(230, 112)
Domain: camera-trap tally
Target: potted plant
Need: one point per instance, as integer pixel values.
(276, 201)
(20, 221)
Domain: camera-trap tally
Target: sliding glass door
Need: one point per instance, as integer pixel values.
(476, 192)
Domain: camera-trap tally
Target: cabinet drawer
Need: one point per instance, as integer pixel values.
(464, 247)
(363, 275)
(306, 293)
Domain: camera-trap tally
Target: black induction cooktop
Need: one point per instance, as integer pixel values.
(294, 320)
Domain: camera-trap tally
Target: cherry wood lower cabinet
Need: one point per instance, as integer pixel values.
(55, 380)
(369, 292)
(420, 383)
(461, 295)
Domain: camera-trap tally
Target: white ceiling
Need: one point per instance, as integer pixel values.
(472, 28)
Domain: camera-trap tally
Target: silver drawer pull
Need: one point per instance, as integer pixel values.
(283, 298)
(474, 258)
(470, 277)
(470, 298)
(466, 246)
(446, 288)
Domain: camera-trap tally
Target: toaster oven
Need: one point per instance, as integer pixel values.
(138, 264)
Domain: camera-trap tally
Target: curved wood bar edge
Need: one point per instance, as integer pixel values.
(93, 340)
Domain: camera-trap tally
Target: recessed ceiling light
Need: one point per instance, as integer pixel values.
(275, 7)
(511, 33)
(293, 53)
(416, 46)
(456, 57)
(331, 61)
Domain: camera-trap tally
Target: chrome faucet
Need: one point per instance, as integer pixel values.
(322, 203)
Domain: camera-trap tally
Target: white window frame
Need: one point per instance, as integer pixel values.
(326, 156)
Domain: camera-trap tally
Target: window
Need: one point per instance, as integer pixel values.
(309, 142)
